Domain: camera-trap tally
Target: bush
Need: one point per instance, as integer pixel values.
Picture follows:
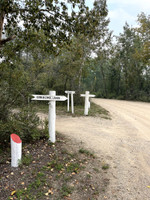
(24, 123)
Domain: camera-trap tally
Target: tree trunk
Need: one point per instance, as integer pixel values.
(3, 41)
(104, 79)
(80, 77)
(2, 15)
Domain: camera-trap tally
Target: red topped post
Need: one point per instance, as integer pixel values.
(16, 150)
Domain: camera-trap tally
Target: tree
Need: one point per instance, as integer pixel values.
(51, 16)
(69, 64)
(131, 61)
(143, 31)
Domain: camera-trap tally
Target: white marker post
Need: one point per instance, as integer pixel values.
(52, 98)
(52, 117)
(89, 104)
(87, 95)
(72, 102)
(16, 150)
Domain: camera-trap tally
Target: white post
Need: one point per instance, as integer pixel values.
(16, 150)
(89, 104)
(72, 103)
(52, 117)
(68, 102)
(52, 98)
(86, 106)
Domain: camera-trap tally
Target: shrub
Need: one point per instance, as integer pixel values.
(24, 123)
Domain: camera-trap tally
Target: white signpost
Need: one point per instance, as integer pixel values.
(72, 102)
(52, 98)
(87, 95)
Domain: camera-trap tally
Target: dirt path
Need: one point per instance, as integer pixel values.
(123, 143)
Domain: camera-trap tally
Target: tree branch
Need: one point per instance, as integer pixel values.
(4, 41)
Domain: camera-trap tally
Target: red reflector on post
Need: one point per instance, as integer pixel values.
(15, 138)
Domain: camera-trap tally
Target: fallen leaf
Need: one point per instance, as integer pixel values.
(148, 186)
(13, 192)
(50, 191)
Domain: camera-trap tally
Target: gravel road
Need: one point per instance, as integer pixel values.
(123, 143)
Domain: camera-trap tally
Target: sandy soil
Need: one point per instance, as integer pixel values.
(123, 143)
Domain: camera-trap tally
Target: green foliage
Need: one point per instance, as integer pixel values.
(73, 167)
(47, 16)
(55, 164)
(66, 190)
(122, 71)
(105, 166)
(23, 123)
(26, 160)
(87, 152)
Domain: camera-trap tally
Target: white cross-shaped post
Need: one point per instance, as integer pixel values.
(52, 98)
(87, 95)
(72, 102)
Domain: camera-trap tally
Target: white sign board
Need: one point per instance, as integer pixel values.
(48, 98)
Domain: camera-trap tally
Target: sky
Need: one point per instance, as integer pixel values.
(122, 11)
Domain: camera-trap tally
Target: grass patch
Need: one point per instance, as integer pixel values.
(61, 109)
(26, 160)
(105, 166)
(95, 111)
(98, 111)
(87, 152)
(55, 164)
(66, 190)
(36, 185)
(73, 167)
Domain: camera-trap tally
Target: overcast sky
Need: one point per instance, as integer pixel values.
(121, 11)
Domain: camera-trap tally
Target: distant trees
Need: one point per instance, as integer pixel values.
(133, 50)
(123, 70)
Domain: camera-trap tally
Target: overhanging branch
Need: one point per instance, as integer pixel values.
(4, 41)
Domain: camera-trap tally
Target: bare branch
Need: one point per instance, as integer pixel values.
(4, 41)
